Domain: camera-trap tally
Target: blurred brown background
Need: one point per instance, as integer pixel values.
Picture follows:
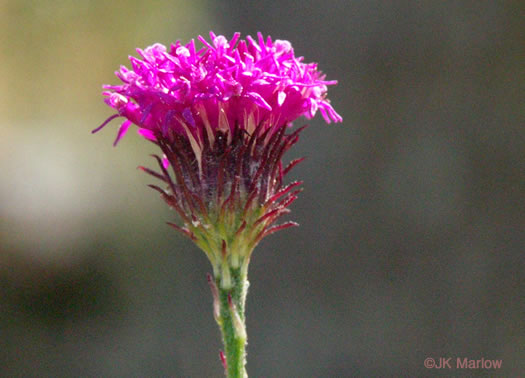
(412, 219)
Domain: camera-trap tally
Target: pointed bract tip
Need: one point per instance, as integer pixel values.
(223, 250)
(223, 360)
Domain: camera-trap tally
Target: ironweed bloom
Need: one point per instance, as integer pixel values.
(220, 115)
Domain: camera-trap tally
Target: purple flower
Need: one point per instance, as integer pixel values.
(225, 84)
(220, 116)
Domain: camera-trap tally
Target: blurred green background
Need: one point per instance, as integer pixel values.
(412, 219)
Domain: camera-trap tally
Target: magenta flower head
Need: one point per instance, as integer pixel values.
(221, 115)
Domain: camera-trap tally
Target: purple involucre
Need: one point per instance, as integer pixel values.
(225, 84)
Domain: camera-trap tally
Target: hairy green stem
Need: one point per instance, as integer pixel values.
(230, 318)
